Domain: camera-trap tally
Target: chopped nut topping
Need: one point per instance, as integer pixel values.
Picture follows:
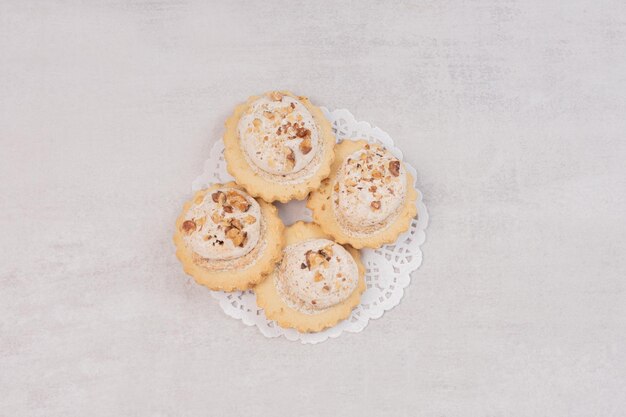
(350, 182)
(276, 96)
(256, 122)
(291, 159)
(326, 288)
(236, 223)
(216, 217)
(268, 114)
(238, 237)
(394, 168)
(326, 252)
(373, 189)
(228, 209)
(238, 201)
(189, 226)
(302, 132)
(305, 145)
(376, 174)
(249, 219)
(314, 259)
(318, 277)
(218, 197)
(375, 205)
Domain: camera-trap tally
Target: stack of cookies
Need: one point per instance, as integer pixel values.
(308, 276)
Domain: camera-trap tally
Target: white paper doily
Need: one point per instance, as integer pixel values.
(388, 268)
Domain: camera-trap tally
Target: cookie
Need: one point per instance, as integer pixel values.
(368, 199)
(316, 285)
(227, 240)
(278, 146)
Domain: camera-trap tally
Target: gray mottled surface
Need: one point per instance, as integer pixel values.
(513, 111)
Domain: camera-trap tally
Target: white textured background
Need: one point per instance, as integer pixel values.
(513, 112)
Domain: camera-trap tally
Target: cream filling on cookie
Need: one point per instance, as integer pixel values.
(370, 189)
(280, 138)
(222, 225)
(315, 275)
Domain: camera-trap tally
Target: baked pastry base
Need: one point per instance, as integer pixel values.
(321, 205)
(257, 186)
(238, 278)
(268, 298)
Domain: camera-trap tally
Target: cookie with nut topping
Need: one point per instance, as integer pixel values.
(226, 239)
(317, 283)
(368, 199)
(278, 146)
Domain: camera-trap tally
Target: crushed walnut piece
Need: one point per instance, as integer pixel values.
(375, 205)
(326, 252)
(238, 237)
(302, 132)
(291, 159)
(238, 201)
(189, 226)
(249, 219)
(218, 197)
(314, 259)
(394, 168)
(236, 223)
(318, 277)
(305, 145)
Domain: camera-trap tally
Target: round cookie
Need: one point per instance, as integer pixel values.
(227, 240)
(317, 284)
(278, 146)
(368, 199)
